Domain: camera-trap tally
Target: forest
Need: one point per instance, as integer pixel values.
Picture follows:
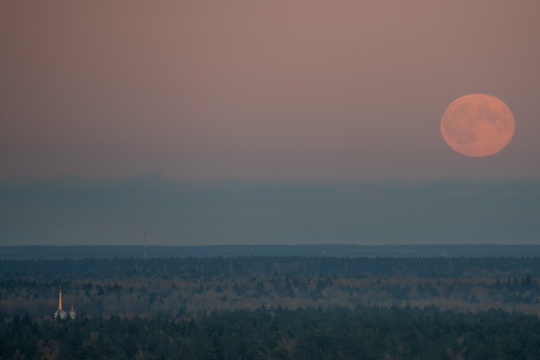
(272, 307)
(362, 333)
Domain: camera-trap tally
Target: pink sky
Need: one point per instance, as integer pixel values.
(311, 90)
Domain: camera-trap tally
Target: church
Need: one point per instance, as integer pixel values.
(60, 314)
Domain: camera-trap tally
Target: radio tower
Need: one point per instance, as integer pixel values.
(145, 253)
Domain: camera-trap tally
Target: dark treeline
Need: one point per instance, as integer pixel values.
(191, 268)
(338, 250)
(362, 333)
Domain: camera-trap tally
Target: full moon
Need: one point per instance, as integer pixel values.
(477, 125)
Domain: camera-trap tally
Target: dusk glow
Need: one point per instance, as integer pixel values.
(304, 92)
(259, 90)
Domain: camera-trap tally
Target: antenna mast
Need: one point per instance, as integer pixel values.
(145, 253)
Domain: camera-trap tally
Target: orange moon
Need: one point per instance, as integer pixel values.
(477, 125)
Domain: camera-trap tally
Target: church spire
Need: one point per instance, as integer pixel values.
(60, 300)
(60, 314)
(72, 313)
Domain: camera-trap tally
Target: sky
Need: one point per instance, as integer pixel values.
(210, 122)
